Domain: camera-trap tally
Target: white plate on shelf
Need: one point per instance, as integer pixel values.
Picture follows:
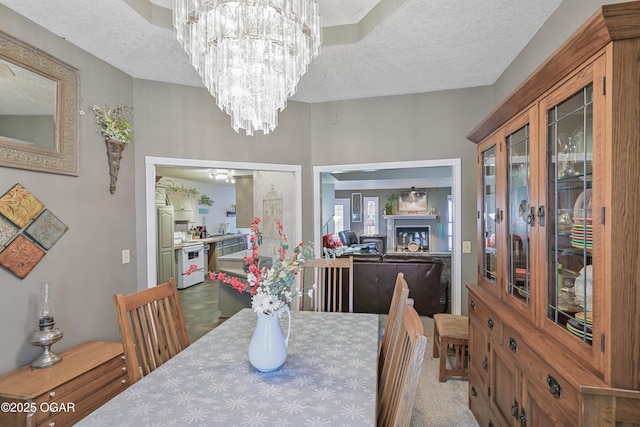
(582, 205)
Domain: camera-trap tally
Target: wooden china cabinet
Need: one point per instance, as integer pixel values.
(555, 314)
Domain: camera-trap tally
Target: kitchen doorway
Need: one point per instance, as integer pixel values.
(150, 179)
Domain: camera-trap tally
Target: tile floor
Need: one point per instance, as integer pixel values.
(200, 308)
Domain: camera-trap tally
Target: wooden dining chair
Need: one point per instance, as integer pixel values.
(401, 373)
(399, 299)
(152, 328)
(329, 278)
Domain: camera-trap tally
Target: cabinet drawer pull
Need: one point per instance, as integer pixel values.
(124, 381)
(124, 368)
(52, 393)
(52, 424)
(531, 218)
(541, 215)
(472, 304)
(490, 322)
(554, 386)
(485, 364)
(514, 409)
(474, 393)
(513, 344)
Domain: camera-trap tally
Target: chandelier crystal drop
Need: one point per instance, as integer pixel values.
(250, 54)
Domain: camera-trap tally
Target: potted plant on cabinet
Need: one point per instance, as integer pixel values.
(391, 201)
(115, 127)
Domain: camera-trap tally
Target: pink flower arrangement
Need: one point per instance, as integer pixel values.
(270, 288)
(192, 269)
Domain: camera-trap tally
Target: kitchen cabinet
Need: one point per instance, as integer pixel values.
(89, 375)
(223, 245)
(231, 245)
(558, 205)
(166, 255)
(244, 201)
(182, 202)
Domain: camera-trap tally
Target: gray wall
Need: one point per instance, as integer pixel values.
(84, 268)
(405, 128)
(569, 16)
(184, 122)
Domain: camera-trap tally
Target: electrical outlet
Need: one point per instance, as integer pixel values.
(466, 247)
(126, 256)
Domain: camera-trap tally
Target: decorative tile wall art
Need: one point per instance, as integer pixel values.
(27, 231)
(19, 206)
(7, 232)
(21, 256)
(46, 229)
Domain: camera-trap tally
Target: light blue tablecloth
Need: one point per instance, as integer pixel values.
(329, 379)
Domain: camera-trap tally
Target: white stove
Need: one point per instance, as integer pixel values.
(190, 263)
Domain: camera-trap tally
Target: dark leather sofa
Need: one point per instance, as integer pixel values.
(374, 278)
(350, 239)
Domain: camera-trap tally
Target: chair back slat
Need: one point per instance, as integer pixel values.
(329, 278)
(399, 300)
(152, 328)
(169, 336)
(146, 344)
(402, 372)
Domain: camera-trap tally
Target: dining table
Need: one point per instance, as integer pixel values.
(328, 379)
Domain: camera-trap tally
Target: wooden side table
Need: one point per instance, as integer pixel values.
(451, 335)
(88, 376)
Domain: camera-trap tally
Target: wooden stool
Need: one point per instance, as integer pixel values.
(451, 336)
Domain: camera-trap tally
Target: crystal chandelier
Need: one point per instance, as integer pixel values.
(250, 54)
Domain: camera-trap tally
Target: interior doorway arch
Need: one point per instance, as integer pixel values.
(456, 194)
(150, 208)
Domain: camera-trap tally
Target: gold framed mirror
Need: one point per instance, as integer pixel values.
(39, 107)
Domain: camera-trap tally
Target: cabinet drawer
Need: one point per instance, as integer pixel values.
(550, 387)
(88, 403)
(484, 317)
(479, 405)
(479, 347)
(82, 387)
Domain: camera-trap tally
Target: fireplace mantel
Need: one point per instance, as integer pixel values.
(397, 220)
(409, 216)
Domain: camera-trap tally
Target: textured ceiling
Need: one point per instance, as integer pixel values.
(402, 46)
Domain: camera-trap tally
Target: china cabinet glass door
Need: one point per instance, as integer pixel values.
(519, 215)
(489, 215)
(569, 228)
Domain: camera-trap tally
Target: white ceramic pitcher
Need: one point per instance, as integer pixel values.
(268, 347)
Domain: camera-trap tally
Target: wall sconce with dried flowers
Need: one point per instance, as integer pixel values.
(117, 133)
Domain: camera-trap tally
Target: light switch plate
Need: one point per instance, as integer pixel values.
(466, 247)
(126, 256)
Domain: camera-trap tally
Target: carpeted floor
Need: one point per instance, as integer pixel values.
(440, 404)
(437, 404)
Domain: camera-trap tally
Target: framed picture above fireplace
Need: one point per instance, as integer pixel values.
(412, 201)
